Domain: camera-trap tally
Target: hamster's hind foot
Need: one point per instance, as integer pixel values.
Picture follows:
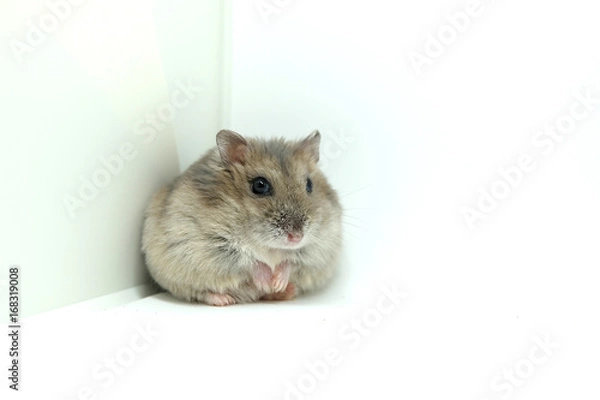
(288, 294)
(218, 299)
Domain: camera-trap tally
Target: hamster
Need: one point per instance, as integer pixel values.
(251, 220)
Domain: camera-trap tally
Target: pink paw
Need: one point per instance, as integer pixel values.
(218, 299)
(288, 294)
(281, 276)
(262, 277)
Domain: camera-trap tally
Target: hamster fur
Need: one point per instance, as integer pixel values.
(215, 235)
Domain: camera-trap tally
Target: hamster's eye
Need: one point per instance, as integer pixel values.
(261, 186)
(309, 185)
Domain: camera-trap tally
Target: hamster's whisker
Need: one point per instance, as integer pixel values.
(354, 218)
(355, 225)
(354, 191)
(351, 234)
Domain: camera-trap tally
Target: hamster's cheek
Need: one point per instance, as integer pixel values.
(263, 234)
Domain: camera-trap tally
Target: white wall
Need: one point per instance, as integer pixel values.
(424, 143)
(193, 37)
(78, 96)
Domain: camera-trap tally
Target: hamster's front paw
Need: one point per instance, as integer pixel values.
(271, 282)
(218, 299)
(262, 277)
(281, 276)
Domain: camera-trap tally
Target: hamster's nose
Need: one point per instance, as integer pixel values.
(294, 237)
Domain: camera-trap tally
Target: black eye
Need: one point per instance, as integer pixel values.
(261, 186)
(309, 185)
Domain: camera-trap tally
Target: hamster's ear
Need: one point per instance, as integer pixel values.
(232, 147)
(310, 145)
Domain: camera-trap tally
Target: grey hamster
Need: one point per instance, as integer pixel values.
(252, 219)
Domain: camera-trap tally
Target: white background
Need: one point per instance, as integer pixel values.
(420, 148)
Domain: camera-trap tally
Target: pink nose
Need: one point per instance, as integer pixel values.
(294, 237)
